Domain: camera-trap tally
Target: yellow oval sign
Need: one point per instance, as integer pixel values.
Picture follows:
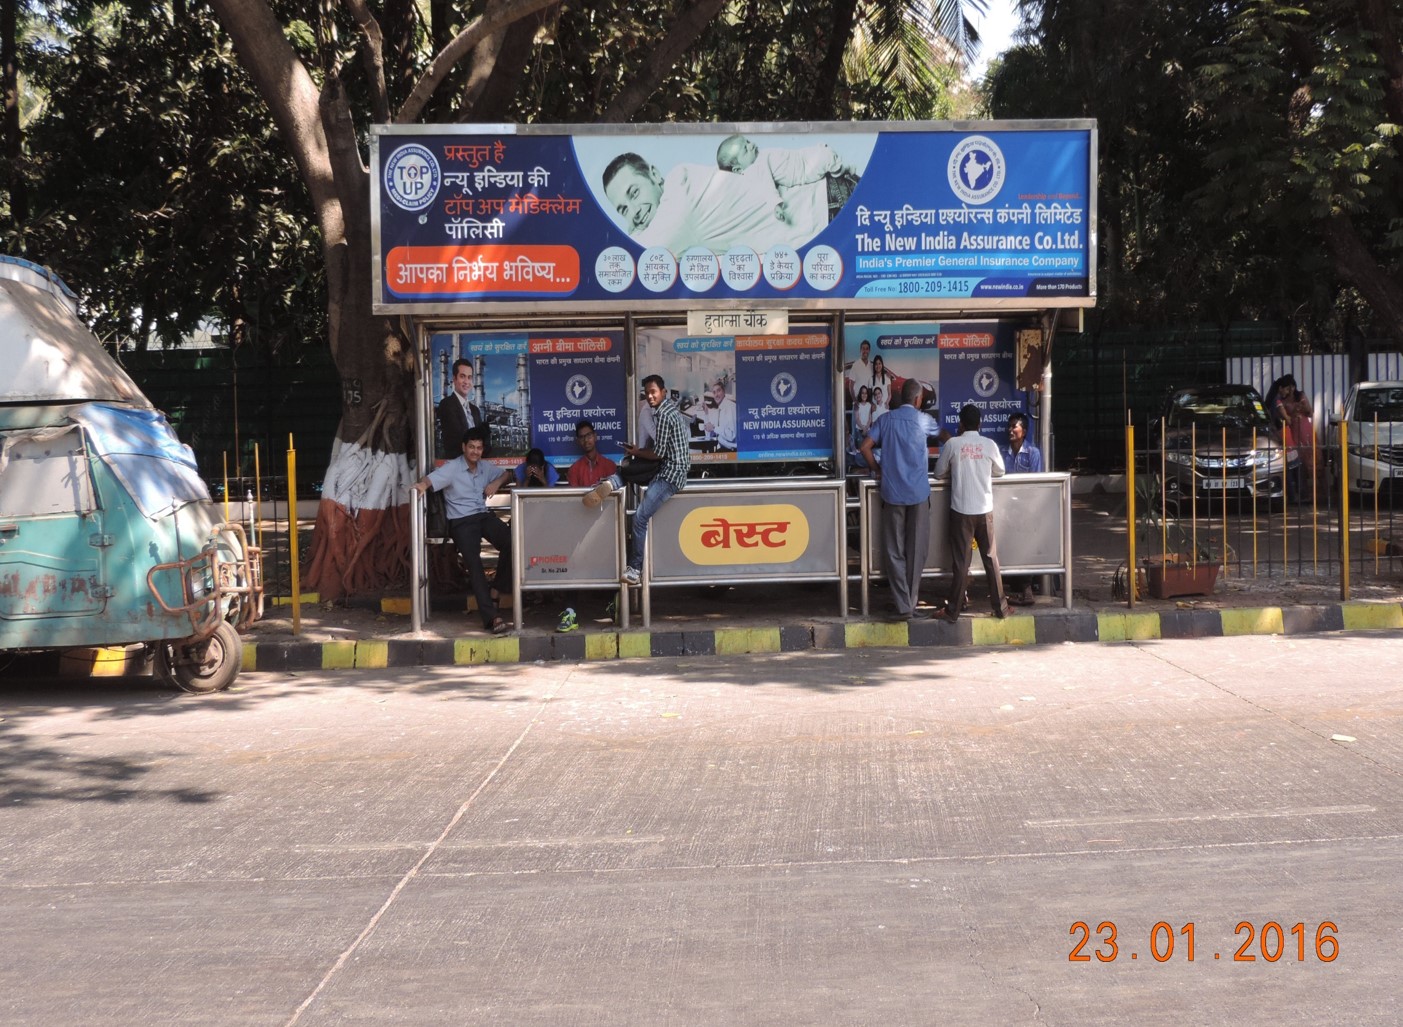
(719, 535)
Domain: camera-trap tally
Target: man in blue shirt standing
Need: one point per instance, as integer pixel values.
(904, 481)
(466, 484)
(1020, 457)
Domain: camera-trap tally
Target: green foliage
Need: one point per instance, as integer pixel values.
(1232, 135)
(760, 60)
(160, 191)
(159, 188)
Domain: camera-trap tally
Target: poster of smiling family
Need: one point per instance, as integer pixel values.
(955, 362)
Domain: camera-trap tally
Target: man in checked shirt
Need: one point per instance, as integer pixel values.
(670, 447)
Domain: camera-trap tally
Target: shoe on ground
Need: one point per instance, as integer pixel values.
(568, 621)
(595, 496)
(1003, 611)
(500, 627)
(946, 615)
(632, 576)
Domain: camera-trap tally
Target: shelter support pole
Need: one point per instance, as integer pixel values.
(1045, 423)
(423, 447)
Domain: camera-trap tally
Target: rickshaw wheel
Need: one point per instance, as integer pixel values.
(208, 666)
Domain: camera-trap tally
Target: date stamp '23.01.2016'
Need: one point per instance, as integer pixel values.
(1270, 943)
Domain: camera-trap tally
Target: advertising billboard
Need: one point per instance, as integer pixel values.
(746, 399)
(956, 362)
(531, 389)
(850, 216)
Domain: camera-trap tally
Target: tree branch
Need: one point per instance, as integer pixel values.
(292, 98)
(684, 32)
(374, 57)
(499, 64)
(1358, 266)
(451, 54)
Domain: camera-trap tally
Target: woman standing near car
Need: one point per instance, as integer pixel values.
(1290, 408)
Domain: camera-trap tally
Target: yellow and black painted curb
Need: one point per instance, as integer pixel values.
(1031, 629)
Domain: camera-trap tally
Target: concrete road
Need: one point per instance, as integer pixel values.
(850, 837)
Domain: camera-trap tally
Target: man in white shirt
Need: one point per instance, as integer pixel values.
(720, 423)
(467, 484)
(971, 462)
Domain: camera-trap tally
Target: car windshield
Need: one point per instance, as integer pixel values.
(1385, 404)
(1218, 408)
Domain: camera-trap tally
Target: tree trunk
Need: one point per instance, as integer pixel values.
(9, 91)
(1357, 265)
(361, 540)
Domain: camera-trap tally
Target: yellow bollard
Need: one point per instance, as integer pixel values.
(257, 497)
(1130, 506)
(1344, 510)
(292, 535)
(1163, 497)
(1223, 549)
(1254, 502)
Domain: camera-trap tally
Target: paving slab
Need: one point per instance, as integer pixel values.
(873, 836)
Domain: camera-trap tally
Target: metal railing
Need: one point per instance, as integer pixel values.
(1262, 510)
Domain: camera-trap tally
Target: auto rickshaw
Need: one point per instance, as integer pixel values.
(108, 534)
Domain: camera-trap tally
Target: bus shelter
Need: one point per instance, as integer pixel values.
(784, 280)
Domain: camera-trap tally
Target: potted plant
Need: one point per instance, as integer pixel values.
(1189, 562)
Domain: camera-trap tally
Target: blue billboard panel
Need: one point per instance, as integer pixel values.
(955, 362)
(531, 389)
(746, 399)
(537, 215)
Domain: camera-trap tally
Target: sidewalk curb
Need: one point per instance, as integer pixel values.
(1049, 628)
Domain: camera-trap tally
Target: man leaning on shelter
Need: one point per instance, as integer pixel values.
(903, 477)
(971, 462)
(467, 484)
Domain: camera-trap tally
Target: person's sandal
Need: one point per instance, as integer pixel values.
(500, 627)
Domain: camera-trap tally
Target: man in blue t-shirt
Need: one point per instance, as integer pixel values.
(904, 479)
(1020, 457)
(466, 484)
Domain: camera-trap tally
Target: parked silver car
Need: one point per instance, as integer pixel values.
(1219, 443)
(1374, 413)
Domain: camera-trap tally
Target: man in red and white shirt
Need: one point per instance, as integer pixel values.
(594, 466)
(971, 462)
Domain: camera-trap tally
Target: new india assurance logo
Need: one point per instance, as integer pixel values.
(579, 389)
(784, 388)
(412, 177)
(976, 169)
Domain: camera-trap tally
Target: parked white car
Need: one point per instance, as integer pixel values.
(1374, 413)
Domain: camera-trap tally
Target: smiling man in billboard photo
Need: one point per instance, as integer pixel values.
(782, 200)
